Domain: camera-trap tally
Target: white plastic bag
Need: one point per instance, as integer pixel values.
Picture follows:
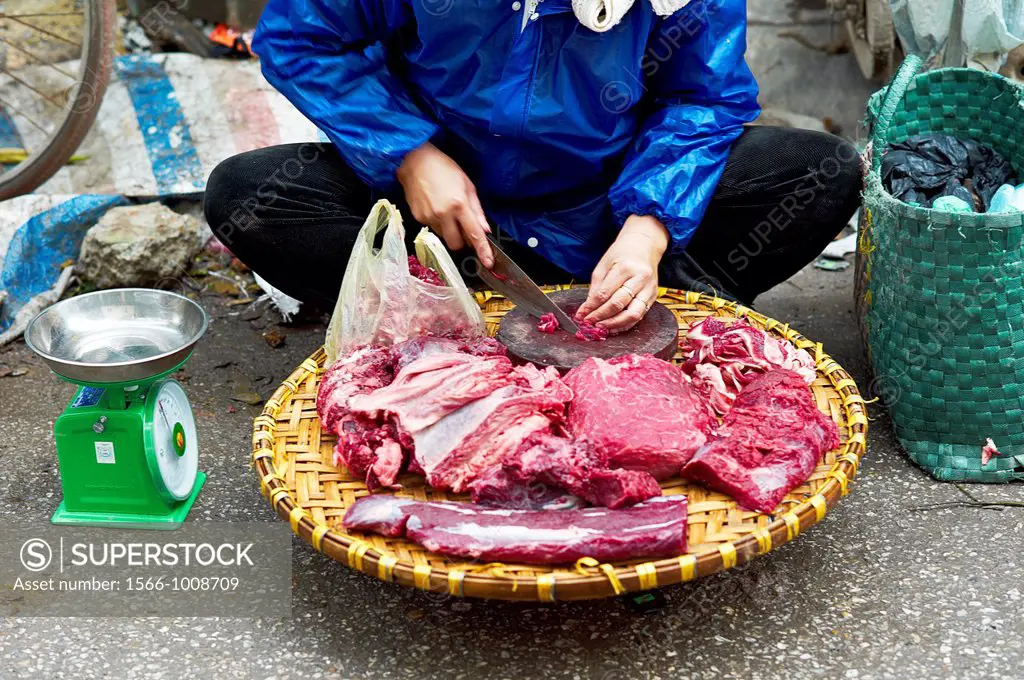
(381, 303)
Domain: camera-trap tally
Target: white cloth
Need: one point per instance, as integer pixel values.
(601, 15)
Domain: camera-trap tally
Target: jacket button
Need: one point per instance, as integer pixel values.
(532, 242)
(516, 6)
(534, 16)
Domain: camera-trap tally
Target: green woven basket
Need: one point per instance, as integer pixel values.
(942, 294)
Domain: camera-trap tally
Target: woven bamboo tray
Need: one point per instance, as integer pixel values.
(292, 457)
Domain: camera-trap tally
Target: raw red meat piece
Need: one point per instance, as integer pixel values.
(379, 514)
(498, 487)
(364, 370)
(580, 469)
(573, 465)
(370, 443)
(459, 447)
(589, 332)
(406, 352)
(638, 412)
(724, 356)
(483, 347)
(424, 273)
(655, 528)
(768, 444)
(548, 323)
(367, 449)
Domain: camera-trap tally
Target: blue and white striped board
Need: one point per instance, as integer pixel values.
(166, 122)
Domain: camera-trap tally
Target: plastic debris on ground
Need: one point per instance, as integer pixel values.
(988, 451)
(831, 265)
(170, 30)
(840, 248)
(284, 303)
(924, 168)
(232, 41)
(214, 246)
(845, 243)
(134, 36)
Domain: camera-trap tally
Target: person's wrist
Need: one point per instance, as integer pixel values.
(649, 228)
(412, 159)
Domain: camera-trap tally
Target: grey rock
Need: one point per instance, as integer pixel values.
(139, 245)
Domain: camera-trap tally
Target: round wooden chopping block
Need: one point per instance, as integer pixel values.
(656, 334)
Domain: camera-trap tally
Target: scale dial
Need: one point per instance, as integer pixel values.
(172, 449)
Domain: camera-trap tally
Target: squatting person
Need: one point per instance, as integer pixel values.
(621, 157)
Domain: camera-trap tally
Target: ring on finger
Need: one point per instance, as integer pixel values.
(647, 305)
(629, 290)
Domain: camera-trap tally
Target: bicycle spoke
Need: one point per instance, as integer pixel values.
(40, 14)
(10, 107)
(48, 97)
(40, 60)
(44, 31)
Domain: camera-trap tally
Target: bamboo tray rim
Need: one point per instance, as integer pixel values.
(590, 578)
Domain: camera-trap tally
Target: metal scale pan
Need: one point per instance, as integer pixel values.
(117, 336)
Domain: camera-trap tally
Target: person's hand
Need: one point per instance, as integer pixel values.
(443, 198)
(625, 282)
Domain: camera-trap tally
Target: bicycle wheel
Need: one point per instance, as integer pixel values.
(54, 106)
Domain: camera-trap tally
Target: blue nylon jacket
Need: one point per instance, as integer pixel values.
(565, 132)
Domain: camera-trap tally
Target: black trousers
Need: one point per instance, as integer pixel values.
(291, 213)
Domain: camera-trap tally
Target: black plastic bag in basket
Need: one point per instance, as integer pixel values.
(923, 168)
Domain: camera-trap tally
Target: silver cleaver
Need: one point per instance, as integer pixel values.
(508, 279)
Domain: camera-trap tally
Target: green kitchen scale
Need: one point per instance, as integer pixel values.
(126, 444)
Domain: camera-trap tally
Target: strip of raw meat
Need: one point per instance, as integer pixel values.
(546, 459)
(638, 412)
(724, 356)
(369, 443)
(429, 388)
(382, 514)
(769, 443)
(463, 444)
(655, 528)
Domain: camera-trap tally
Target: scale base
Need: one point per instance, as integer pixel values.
(167, 522)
